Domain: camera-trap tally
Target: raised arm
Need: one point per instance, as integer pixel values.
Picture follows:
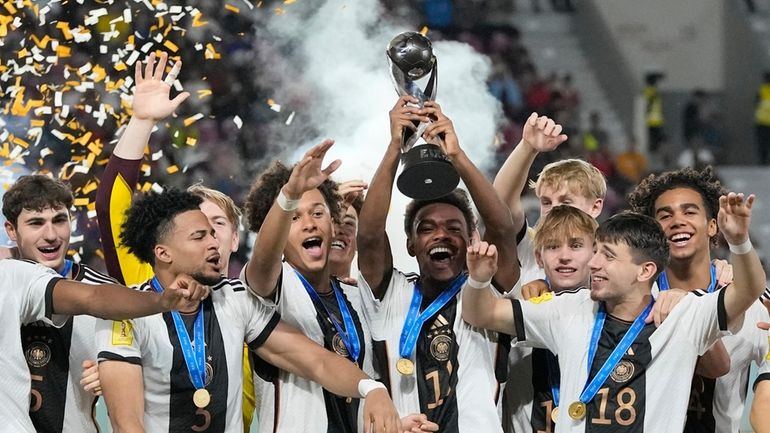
(264, 267)
(375, 260)
(540, 134)
(113, 197)
(734, 220)
(481, 308)
(498, 225)
(290, 350)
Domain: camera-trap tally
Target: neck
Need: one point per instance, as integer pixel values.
(340, 270)
(630, 307)
(320, 280)
(166, 279)
(689, 274)
(431, 288)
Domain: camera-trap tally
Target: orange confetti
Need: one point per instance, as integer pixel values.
(37, 123)
(232, 8)
(172, 169)
(211, 53)
(63, 51)
(202, 93)
(81, 201)
(424, 30)
(197, 20)
(22, 53)
(41, 43)
(171, 46)
(288, 2)
(9, 7)
(65, 29)
(191, 141)
(4, 21)
(192, 119)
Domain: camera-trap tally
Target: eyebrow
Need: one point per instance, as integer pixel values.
(610, 250)
(198, 232)
(683, 206)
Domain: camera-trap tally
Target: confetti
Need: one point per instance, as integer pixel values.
(290, 119)
(238, 122)
(232, 8)
(192, 119)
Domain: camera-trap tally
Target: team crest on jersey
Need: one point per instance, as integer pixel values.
(623, 371)
(38, 354)
(545, 297)
(209, 372)
(440, 347)
(122, 333)
(339, 346)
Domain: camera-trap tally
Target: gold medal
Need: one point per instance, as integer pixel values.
(201, 398)
(554, 414)
(577, 410)
(405, 366)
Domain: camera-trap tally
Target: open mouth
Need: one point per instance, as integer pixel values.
(213, 259)
(338, 244)
(566, 270)
(50, 252)
(440, 254)
(312, 246)
(680, 239)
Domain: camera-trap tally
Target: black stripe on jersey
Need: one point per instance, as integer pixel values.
(620, 404)
(110, 356)
(46, 350)
(234, 283)
(268, 329)
(765, 295)
(542, 397)
(721, 312)
(570, 291)
(49, 296)
(700, 408)
(183, 415)
(380, 363)
(501, 357)
(760, 378)
(518, 320)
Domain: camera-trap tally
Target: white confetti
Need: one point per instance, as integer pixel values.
(157, 188)
(157, 155)
(290, 118)
(238, 122)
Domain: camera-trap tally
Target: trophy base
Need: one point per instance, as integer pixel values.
(427, 173)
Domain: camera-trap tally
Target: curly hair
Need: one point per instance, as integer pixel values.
(705, 182)
(266, 188)
(457, 198)
(35, 192)
(151, 218)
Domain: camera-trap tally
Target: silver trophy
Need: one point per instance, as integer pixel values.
(427, 172)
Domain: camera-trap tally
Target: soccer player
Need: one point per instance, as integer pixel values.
(685, 203)
(35, 293)
(344, 246)
(563, 242)
(760, 407)
(444, 368)
(617, 371)
(36, 209)
(183, 370)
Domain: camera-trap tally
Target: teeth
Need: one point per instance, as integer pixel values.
(565, 270)
(339, 245)
(439, 250)
(680, 237)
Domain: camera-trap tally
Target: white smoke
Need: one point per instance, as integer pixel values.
(337, 52)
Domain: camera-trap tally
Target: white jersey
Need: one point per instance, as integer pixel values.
(717, 406)
(454, 380)
(652, 378)
(27, 297)
(303, 405)
(530, 270)
(231, 316)
(54, 357)
(763, 373)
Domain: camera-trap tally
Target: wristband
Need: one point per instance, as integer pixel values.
(743, 248)
(286, 203)
(365, 386)
(478, 284)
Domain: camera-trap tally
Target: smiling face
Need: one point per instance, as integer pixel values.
(42, 236)
(310, 235)
(613, 272)
(438, 240)
(565, 261)
(227, 233)
(685, 221)
(344, 246)
(191, 248)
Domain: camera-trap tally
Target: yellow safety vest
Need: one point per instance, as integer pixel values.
(762, 113)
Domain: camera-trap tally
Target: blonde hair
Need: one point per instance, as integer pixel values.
(579, 176)
(561, 223)
(220, 199)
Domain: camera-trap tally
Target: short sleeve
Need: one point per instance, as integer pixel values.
(35, 284)
(763, 372)
(535, 321)
(703, 319)
(117, 340)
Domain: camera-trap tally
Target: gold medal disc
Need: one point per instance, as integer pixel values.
(554, 414)
(577, 410)
(405, 366)
(201, 398)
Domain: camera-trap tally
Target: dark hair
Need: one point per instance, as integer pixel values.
(643, 235)
(266, 188)
(151, 218)
(704, 182)
(35, 192)
(457, 198)
(358, 203)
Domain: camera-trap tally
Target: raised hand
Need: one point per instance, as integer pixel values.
(481, 259)
(734, 217)
(403, 115)
(151, 94)
(350, 190)
(308, 174)
(441, 132)
(542, 134)
(181, 292)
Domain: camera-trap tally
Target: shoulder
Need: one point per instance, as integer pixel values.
(229, 284)
(88, 274)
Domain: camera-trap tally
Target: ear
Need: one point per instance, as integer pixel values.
(410, 246)
(162, 254)
(539, 258)
(596, 208)
(712, 227)
(647, 271)
(236, 241)
(10, 230)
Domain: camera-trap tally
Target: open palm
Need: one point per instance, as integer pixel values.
(151, 94)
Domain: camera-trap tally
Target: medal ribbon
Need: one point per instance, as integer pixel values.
(350, 339)
(554, 374)
(663, 284)
(592, 388)
(195, 359)
(415, 319)
(67, 268)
